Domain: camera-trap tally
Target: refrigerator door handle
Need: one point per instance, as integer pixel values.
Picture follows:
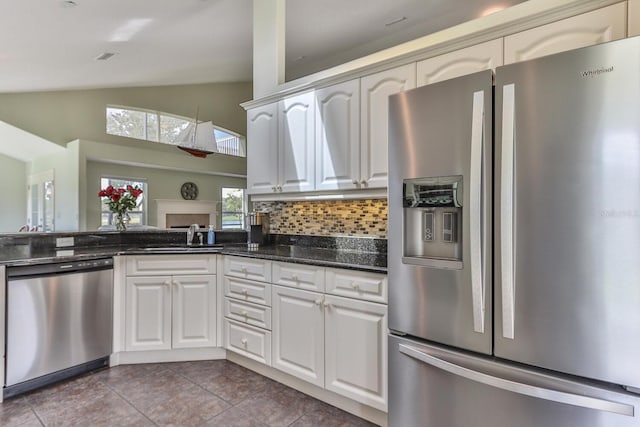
(515, 387)
(506, 211)
(475, 211)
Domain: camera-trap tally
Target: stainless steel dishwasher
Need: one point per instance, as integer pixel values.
(59, 322)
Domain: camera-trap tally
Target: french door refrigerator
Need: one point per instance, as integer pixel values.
(514, 245)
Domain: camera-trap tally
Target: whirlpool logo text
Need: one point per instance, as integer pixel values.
(596, 72)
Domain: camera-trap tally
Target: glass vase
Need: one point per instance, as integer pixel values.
(121, 220)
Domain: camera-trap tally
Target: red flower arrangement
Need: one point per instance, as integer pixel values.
(120, 201)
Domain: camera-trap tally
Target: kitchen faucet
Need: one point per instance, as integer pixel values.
(193, 228)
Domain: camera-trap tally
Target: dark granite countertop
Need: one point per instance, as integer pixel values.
(357, 256)
(352, 259)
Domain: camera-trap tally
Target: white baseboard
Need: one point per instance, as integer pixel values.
(161, 356)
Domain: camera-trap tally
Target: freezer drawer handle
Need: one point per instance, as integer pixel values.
(520, 388)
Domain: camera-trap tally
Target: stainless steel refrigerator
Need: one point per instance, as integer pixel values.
(514, 245)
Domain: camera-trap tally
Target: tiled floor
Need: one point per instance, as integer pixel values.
(208, 393)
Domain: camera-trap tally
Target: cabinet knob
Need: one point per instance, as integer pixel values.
(274, 188)
(327, 305)
(294, 277)
(364, 182)
(244, 270)
(355, 182)
(280, 188)
(244, 342)
(245, 314)
(355, 286)
(318, 302)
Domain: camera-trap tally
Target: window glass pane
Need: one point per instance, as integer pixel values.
(227, 143)
(48, 206)
(233, 208)
(152, 127)
(171, 127)
(129, 123)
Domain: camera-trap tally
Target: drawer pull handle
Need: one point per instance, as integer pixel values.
(244, 342)
(244, 270)
(355, 182)
(294, 278)
(318, 302)
(355, 286)
(327, 305)
(245, 314)
(244, 292)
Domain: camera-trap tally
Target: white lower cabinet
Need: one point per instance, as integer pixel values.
(247, 307)
(333, 342)
(298, 333)
(165, 312)
(356, 350)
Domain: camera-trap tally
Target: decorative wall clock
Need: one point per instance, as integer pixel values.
(189, 191)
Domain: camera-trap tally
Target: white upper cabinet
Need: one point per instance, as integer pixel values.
(634, 17)
(262, 150)
(374, 104)
(296, 136)
(483, 56)
(588, 29)
(338, 136)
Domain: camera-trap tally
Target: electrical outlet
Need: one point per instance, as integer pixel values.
(63, 242)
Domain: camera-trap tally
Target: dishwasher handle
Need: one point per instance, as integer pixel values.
(59, 268)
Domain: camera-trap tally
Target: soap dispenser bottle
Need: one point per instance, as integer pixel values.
(211, 236)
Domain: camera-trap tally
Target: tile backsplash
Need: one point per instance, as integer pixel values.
(367, 217)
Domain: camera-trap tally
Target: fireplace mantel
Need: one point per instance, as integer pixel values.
(185, 207)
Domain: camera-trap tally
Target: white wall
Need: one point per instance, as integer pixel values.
(13, 194)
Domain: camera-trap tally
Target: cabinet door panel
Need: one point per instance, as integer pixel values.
(251, 314)
(148, 313)
(374, 92)
(298, 333)
(296, 148)
(591, 28)
(262, 149)
(483, 56)
(338, 136)
(247, 268)
(356, 350)
(194, 311)
(168, 265)
(357, 284)
(254, 343)
(307, 277)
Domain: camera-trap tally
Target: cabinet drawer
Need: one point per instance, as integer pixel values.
(251, 342)
(357, 284)
(247, 290)
(247, 268)
(159, 265)
(298, 276)
(251, 314)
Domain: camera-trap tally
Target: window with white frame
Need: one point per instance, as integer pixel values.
(169, 129)
(137, 216)
(234, 204)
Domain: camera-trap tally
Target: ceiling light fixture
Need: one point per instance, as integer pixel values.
(395, 21)
(492, 9)
(104, 56)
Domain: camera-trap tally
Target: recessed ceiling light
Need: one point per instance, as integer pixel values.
(104, 56)
(395, 21)
(68, 3)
